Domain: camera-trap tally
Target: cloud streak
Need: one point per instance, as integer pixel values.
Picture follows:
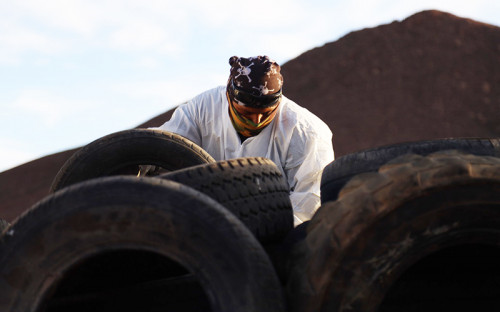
(47, 108)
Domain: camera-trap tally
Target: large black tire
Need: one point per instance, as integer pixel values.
(252, 188)
(144, 215)
(357, 246)
(122, 152)
(339, 172)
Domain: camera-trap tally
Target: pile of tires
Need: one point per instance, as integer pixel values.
(407, 227)
(189, 237)
(145, 220)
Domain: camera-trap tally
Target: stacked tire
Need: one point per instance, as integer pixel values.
(339, 172)
(406, 227)
(124, 152)
(405, 233)
(190, 239)
(251, 188)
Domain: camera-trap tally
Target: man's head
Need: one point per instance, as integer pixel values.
(254, 93)
(255, 81)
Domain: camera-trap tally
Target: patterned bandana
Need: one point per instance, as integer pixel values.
(254, 81)
(245, 126)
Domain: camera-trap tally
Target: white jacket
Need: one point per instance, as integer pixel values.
(298, 142)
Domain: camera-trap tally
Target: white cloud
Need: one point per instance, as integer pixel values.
(148, 63)
(138, 35)
(257, 14)
(47, 107)
(163, 94)
(9, 59)
(16, 39)
(144, 35)
(78, 26)
(14, 153)
(82, 17)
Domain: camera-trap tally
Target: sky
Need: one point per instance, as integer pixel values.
(72, 71)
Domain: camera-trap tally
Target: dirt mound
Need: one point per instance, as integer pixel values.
(432, 75)
(23, 186)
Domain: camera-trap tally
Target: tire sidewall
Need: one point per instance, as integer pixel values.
(108, 154)
(152, 216)
(336, 174)
(467, 214)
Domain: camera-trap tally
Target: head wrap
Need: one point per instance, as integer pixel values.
(257, 77)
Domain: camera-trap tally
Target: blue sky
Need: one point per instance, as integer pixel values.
(72, 71)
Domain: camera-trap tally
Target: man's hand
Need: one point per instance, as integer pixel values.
(145, 169)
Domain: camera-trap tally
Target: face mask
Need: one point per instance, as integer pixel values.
(245, 126)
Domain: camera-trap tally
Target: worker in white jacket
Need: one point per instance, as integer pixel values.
(249, 118)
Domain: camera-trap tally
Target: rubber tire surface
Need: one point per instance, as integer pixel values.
(114, 153)
(252, 188)
(145, 214)
(339, 172)
(357, 246)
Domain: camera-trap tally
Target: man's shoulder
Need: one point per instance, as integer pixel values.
(300, 118)
(210, 99)
(214, 93)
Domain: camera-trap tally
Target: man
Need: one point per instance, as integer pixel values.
(250, 117)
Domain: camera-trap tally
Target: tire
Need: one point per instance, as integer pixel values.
(356, 247)
(122, 153)
(144, 215)
(252, 188)
(339, 172)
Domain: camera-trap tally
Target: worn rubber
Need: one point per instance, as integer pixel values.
(339, 172)
(384, 222)
(252, 188)
(144, 214)
(122, 153)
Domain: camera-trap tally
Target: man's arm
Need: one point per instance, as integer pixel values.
(184, 122)
(307, 156)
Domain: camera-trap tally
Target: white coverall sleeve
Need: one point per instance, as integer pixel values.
(305, 162)
(184, 122)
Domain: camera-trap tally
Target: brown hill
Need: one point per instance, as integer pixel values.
(432, 75)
